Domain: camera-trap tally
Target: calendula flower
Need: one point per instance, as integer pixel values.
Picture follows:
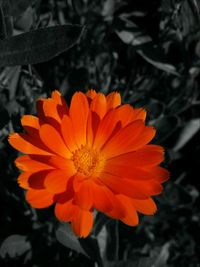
(94, 154)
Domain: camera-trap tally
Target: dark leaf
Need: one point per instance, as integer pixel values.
(165, 126)
(4, 115)
(14, 245)
(19, 6)
(6, 26)
(67, 238)
(38, 45)
(155, 61)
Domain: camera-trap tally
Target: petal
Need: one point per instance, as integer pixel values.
(65, 211)
(26, 163)
(50, 110)
(107, 127)
(52, 139)
(62, 107)
(106, 202)
(145, 206)
(27, 144)
(82, 223)
(122, 186)
(36, 180)
(61, 163)
(161, 175)
(84, 196)
(39, 198)
(30, 124)
(128, 171)
(56, 180)
(131, 188)
(130, 138)
(131, 217)
(146, 156)
(91, 93)
(113, 100)
(99, 105)
(92, 126)
(79, 110)
(23, 179)
(68, 133)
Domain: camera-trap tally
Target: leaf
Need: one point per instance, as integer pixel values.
(17, 7)
(190, 129)
(142, 262)
(133, 38)
(39, 45)
(161, 261)
(14, 245)
(165, 127)
(68, 239)
(160, 65)
(5, 20)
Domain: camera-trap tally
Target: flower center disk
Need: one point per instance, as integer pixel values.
(88, 161)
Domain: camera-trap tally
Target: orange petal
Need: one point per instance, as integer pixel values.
(62, 107)
(68, 133)
(26, 163)
(122, 142)
(82, 223)
(139, 114)
(106, 202)
(79, 110)
(36, 180)
(84, 197)
(92, 126)
(65, 211)
(91, 93)
(131, 217)
(61, 163)
(106, 128)
(50, 110)
(161, 175)
(99, 105)
(39, 198)
(30, 124)
(127, 114)
(128, 171)
(56, 180)
(27, 144)
(113, 100)
(123, 186)
(146, 156)
(145, 206)
(130, 138)
(131, 188)
(52, 139)
(23, 179)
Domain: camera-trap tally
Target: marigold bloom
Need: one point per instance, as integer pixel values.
(94, 154)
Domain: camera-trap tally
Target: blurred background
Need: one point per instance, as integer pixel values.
(149, 51)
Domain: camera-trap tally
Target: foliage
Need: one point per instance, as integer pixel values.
(150, 52)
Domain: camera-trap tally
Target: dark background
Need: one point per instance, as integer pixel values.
(149, 51)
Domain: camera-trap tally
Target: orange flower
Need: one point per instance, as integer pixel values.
(91, 155)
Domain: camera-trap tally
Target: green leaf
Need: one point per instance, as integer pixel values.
(14, 245)
(39, 45)
(67, 238)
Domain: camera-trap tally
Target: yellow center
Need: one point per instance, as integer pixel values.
(88, 161)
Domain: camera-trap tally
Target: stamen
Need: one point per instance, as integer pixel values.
(88, 161)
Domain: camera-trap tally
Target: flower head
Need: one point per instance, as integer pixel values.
(94, 154)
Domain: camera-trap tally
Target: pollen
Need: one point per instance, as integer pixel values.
(88, 161)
